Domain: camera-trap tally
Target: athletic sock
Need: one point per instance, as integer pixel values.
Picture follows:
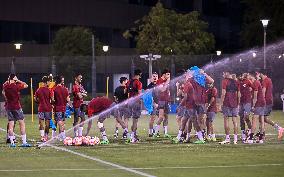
(166, 129)
(24, 139)
(53, 133)
(150, 131)
(41, 133)
(188, 136)
(251, 136)
(213, 136)
(235, 137)
(179, 134)
(63, 136)
(126, 130)
(75, 132)
(11, 139)
(227, 137)
(80, 131)
(157, 128)
(200, 135)
(103, 133)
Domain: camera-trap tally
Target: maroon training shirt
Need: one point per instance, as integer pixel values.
(260, 97)
(245, 90)
(44, 94)
(12, 94)
(231, 97)
(267, 83)
(60, 97)
(210, 93)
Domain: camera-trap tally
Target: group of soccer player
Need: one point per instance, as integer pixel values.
(248, 96)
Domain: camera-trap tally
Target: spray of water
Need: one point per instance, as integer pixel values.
(246, 61)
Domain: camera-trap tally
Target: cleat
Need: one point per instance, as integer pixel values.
(150, 135)
(208, 138)
(43, 139)
(156, 135)
(26, 145)
(12, 145)
(128, 140)
(235, 142)
(249, 141)
(167, 136)
(260, 141)
(135, 140)
(175, 140)
(187, 140)
(225, 142)
(199, 142)
(104, 142)
(214, 139)
(124, 135)
(8, 141)
(115, 135)
(280, 133)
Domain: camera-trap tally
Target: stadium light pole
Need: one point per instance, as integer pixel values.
(150, 58)
(105, 49)
(18, 48)
(264, 24)
(94, 69)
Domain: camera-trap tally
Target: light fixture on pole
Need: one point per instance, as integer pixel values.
(218, 52)
(105, 49)
(150, 58)
(253, 54)
(264, 24)
(18, 48)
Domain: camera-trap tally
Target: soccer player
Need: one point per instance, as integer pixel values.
(120, 95)
(134, 88)
(163, 93)
(100, 106)
(200, 100)
(61, 98)
(267, 89)
(258, 109)
(11, 91)
(190, 114)
(44, 96)
(211, 107)
(154, 114)
(180, 95)
(229, 105)
(78, 93)
(246, 89)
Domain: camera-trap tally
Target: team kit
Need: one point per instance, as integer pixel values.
(247, 100)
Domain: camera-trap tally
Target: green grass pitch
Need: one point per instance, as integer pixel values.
(157, 157)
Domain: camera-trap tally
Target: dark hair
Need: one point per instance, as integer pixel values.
(45, 79)
(58, 79)
(137, 72)
(166, 71)
(181, 72)
(122, 79)
(155, 73)
(78, 74)
(11, 76)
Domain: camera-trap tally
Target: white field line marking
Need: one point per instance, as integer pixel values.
(97, 160)
(146, 168)
(101, 161)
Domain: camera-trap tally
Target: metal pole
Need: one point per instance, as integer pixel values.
(94, 69)
(132, 67)
(264, 49)
(13, 68)
(150, 67)
(53, 66)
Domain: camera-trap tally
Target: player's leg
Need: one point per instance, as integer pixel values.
(90, 123)
(210, 118)
(47, 116)
(165, 124)
(247, 110)
(200, 139)
(19, 115)
(151, 123)
(10, 129)
(262, 129)
(60, 118)
(267, 112)
(102, 129)
(41, 126)
(242, 123)
(235, 124)
(116, 126)
(188, 130)
(76, 120)
(135, 117)
(81, 126)
(161, 117)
